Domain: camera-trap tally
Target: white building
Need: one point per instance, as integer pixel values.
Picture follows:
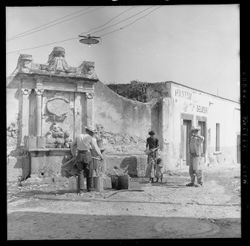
(219, 119)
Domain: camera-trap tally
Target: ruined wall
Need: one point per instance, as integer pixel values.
(142, 91)
(124, 123)
(12, 105)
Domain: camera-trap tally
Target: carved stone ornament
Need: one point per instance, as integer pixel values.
(89, 95)
(87, 69)
(56, 137)
(58, 107)
(24, 63)
(57, 63)
(39, 92)
(25, 91)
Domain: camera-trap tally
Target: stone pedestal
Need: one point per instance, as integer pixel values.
(47, 162)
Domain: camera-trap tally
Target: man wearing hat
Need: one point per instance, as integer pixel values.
(196, 141)
(152, 146)
(83, 144)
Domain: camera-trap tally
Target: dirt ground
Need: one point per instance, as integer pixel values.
(45, 210)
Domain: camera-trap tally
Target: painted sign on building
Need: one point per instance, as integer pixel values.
(182, 93)
(191, 101)
(202, 109)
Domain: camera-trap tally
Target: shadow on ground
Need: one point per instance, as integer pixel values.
(81, 226)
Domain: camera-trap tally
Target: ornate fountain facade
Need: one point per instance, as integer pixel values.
(55, 104)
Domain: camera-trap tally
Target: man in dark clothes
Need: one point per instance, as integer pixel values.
(83, 144)
(152, 146)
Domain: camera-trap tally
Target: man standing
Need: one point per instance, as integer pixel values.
(195, 169)
(152, 146)
(81, 147)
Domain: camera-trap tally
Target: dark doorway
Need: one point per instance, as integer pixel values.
(186, 133)
(238, 148)
(217, 143)
(202, 125)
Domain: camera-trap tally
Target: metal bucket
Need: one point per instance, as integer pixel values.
(98, 184)
(123, 182)
(114, 182)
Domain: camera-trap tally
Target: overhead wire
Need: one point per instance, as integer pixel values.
(123, 27)
(35, 47)
(110, 20)
(48, 26)
(122, 20)
(50, 22)
(73, 38)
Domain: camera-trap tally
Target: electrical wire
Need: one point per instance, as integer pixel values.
(105, 34)
(123, 27)
(35, 47)
(113, 18)
(55, 20)
(87, 12)
(122, 20)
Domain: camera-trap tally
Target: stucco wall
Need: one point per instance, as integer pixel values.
(171, 134)
(227, 114)
(121, 116)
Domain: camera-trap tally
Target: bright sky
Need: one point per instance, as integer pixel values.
(196, 45)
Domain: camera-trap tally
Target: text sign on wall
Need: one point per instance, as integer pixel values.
(193, 102)
(201, 109)
(182, 93)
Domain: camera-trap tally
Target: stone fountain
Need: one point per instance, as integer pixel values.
(55, 104)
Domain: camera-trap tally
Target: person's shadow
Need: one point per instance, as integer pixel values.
(130, 164)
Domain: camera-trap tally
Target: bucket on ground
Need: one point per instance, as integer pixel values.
(98, 184)
(120, 182)
(114, 182)
(123, 182)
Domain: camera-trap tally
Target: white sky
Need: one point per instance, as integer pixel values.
(197, 45)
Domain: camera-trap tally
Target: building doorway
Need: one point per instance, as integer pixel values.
(186, 134)
(238, 148)
(202, 125)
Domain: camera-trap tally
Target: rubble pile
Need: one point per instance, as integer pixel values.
(11, 138)
(120, 143)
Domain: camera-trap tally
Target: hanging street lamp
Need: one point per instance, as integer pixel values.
(89, 40)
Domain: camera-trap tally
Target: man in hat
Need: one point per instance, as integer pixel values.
(195, 169)
(152, 146)
(83, 144)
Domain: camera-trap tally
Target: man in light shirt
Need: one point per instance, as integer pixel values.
(195, 168)
(81, 148)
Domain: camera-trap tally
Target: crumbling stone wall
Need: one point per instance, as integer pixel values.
(121, 142)
(125, 122)
(11, 142)
(16, 158)
(142, 91)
